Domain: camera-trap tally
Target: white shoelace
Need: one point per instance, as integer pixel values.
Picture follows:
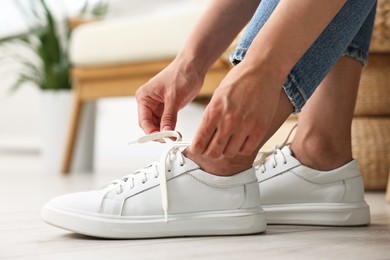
(262, 157)
(161, 168)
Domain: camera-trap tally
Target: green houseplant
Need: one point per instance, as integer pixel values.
(47, 41)
(41, 54)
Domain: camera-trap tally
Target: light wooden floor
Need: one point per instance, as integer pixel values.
(24, 189)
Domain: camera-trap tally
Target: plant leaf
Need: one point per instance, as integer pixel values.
(100, 9)
(51, 39)
(22, 36)
(23, 79)
(51, 69)
(84, 9)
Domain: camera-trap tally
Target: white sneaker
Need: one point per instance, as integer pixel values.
(137, 205)
(292, 193)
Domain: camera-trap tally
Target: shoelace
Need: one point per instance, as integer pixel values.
(161, 168)
(262, 157)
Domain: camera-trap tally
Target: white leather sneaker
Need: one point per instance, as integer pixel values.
(137, 205)
(292, 193)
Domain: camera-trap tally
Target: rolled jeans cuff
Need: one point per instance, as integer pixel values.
(357, 53)
(293, 92)
(237, 56)
(291, 87)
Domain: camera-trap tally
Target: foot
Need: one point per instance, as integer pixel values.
(173, 197)
(292, 193)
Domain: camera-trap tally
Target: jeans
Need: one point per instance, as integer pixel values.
(348, 33)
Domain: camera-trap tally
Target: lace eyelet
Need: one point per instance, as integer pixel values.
(181, 165)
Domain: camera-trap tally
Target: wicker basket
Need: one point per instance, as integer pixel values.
(380, 41)
(371, 147)
(371, 125)
(374, 91)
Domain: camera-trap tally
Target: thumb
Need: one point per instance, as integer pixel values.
(169, 117)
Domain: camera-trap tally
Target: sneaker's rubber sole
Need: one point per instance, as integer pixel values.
(322, 214)
(229, 222)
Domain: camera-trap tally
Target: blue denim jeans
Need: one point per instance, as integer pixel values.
(348, 33)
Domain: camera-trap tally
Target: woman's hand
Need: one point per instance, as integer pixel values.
(239, 113)
(160, 99)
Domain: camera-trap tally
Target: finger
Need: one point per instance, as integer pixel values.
(250, 145)
(169, 117)
(146, 120)
(226, 128)
(217, 144)
(204, 134)
(235, 143)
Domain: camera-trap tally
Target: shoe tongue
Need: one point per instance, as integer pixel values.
(286, 150)
(289, 154)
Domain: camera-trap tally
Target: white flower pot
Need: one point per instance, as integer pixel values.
(56, 110)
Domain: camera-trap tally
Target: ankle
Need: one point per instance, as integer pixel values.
(321, 153)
